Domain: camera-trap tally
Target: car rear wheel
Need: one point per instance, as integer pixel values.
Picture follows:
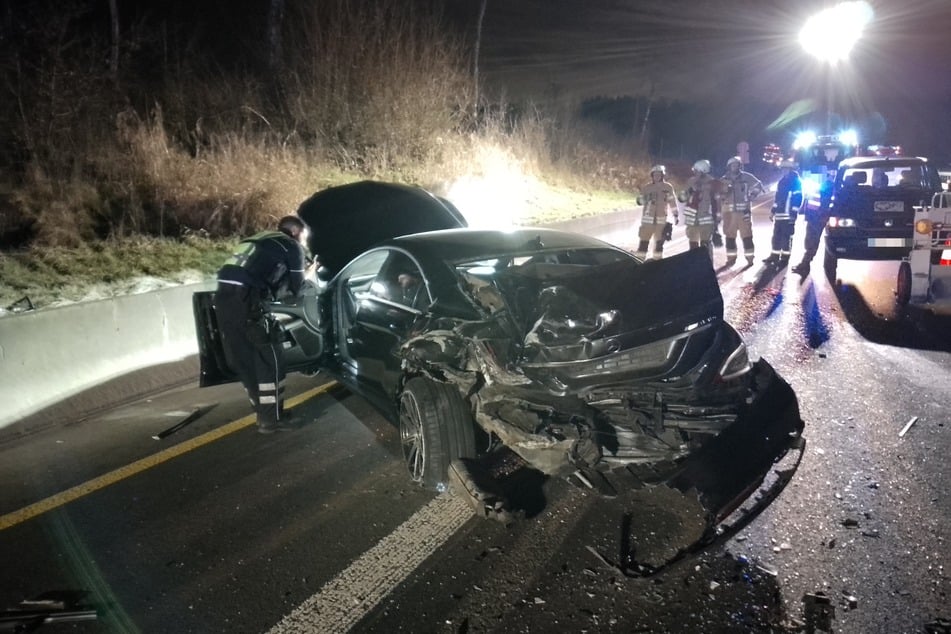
(436, 427)
(903, 291)
(830, 263)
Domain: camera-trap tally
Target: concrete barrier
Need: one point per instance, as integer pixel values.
(49, 355)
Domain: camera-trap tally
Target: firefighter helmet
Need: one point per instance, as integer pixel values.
(702, 166)
(736, 160)
(659, 168)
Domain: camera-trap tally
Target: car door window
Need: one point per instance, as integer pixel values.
(402, 282)
(358, 279)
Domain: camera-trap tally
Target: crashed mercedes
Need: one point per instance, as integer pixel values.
(568, 351)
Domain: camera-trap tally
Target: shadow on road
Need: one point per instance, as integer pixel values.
(912, 327)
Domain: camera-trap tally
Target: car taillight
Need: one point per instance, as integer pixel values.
(736, 365)
(835, 221)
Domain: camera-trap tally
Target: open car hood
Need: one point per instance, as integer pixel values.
(347, 220)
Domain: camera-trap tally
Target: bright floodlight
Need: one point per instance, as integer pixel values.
(804, 139)
(849, 137)
(830, 34)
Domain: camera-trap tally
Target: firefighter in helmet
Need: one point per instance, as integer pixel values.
(655, 198)
(265, 265)
(739, 190)
(699, 200)
(783, 214)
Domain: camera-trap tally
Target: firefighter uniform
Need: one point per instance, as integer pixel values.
(785, 209)
(739, 189)
(263, 265)
(699, 200)
(656, 198)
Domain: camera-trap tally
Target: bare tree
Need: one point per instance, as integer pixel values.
(275, 20)
(478, 44)
(114, 48)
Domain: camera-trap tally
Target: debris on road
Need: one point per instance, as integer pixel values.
(194, 415)
(939, 626)
(907, 426)
(818, 612)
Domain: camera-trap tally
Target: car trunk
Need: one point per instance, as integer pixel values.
(623, 320)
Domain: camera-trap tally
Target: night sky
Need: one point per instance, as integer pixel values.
(738, 58)
(741, 56)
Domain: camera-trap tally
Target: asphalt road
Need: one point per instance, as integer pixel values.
(219, 529)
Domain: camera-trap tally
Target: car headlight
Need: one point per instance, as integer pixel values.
(736, 365)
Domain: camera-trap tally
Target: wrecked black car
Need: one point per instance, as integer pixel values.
(570, 352)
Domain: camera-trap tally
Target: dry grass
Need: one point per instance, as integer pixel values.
(100, 173)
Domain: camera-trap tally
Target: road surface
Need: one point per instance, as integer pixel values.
(216, 528)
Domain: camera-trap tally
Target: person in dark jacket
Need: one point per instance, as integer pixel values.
(815, 223)
(787, 203)
(265, 265)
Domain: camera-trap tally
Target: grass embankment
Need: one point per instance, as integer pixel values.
(109, 177)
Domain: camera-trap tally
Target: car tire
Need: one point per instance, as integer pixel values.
(830, 263)
(903, 289)
(436, 427)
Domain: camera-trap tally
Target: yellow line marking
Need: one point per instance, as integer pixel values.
(80, 490)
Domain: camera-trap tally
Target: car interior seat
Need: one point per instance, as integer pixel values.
(856, 178)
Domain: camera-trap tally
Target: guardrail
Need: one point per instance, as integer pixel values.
(51, 354)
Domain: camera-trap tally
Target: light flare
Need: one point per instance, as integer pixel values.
(830, 34)
(497, 193)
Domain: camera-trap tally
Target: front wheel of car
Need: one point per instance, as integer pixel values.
(830, 263)
(436, 427)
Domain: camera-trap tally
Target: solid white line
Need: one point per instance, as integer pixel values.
(349, 596)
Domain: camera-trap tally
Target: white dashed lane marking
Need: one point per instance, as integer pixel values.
(350, 596)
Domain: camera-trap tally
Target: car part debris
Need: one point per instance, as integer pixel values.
(196, 413)
(486, 504)
(50, 607)
(22, 305)
(818, 612)
(938, 626)
(904, 430)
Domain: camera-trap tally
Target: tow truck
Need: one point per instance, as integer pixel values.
(924, 277)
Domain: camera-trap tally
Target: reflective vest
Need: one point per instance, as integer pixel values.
(739, 191)
(698, 206)
(656, 198)
(788, 197)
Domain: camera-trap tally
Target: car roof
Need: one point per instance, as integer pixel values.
(863, 161)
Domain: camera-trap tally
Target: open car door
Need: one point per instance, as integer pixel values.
(302, 335)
